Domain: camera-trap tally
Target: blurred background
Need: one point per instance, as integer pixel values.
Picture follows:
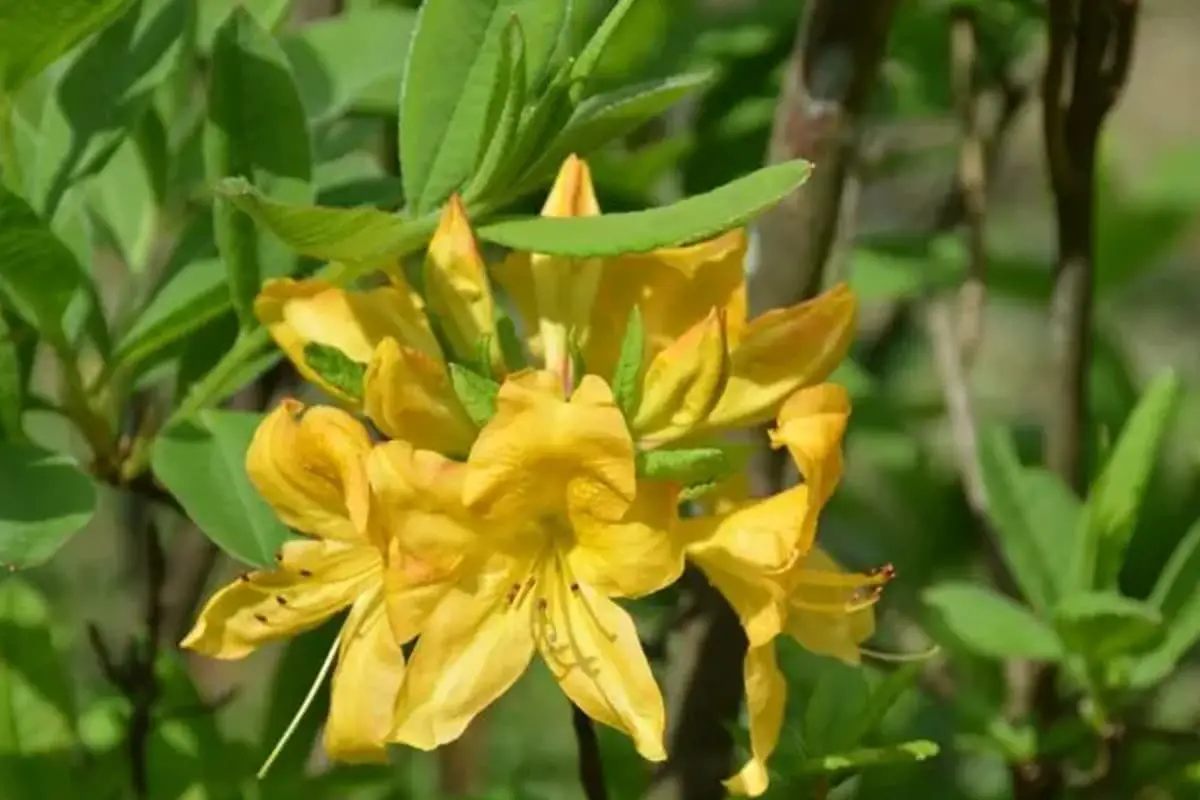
(905, 499)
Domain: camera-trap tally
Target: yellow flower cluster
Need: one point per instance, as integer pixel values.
(508, 508)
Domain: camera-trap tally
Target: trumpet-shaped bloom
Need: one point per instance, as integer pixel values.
(760, 555)
(551, 486)
(680, 292)
(309, 465)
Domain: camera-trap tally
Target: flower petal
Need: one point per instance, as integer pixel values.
(675, 288)
(540, 454)
(757, 536)
(418, 518)
(766, 699)
(683, 383)
(299, 312)
(370, 671)
(830, 611)
(314, 580)
(592, 647)
(634, 557)
(757, 600)
(473, 649)
(409, 396)
(308, 464)
(565, 288)
(781, 351)
(456, 283)
(811, 425)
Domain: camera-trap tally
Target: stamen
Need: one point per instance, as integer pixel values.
(244, 577)
(261, 618)
(304, 573)
(510, 596)
(873, 577)
(304, 705)
(281, 600)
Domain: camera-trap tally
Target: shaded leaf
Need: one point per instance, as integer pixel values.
(905, 753)
(202, 462)
(45, 499)
(1101, 625)
(992, 625)
(33, 35)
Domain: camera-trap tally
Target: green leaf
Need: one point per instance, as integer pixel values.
(364, 237)
(444, 101)
(992, 625)
(1177, 597)
(1101, 625)
(590, 56)
(37, 703)
(123, 197)
(189, 300)
(888, 755)
(691, 466)
(1024, 541)
(1113, 503)
(837, 698)
(884, 695)
(256, 129)
(607, 117)
(695, 218)
(627, 375)
(103, 93)
(40, 275)
(354, 60)
(476, 393)
(270, 14)
(508, 101)
(33, 35)
(336, 367)
(202, 462)
(46, 499)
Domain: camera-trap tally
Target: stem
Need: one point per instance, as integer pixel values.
(10, 159)
(591, 765)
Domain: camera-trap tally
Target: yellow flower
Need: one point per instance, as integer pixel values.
(309, 465)
(684, 294)
(760, 555)
(565, 527)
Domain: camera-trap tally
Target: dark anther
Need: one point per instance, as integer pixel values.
(304, 573)
(261, 618)
(281, 600)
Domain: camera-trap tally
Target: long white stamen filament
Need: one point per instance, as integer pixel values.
(308, 701)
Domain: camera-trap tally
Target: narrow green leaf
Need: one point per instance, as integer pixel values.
(33, 35)
(45, 500)
(1101, 625)
(1177, 597)
(256, 129)
(590, 56)
(607, 117)
(364, 237)
(1022, 543)
(202, 462)
(443, 119)
(992, 625)
(476, 393)
(123, 197)
(905, 753)
(40, 276)
(698, 217)
(690, 466)
(1180, 578)
(508, 102)
(351, 61)
(627, 375)
(1113, 503)
(37, 703)
(190, 299)
(336, 367)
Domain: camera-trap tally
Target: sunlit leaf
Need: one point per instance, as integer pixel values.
(992, 625)
(45, 499)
